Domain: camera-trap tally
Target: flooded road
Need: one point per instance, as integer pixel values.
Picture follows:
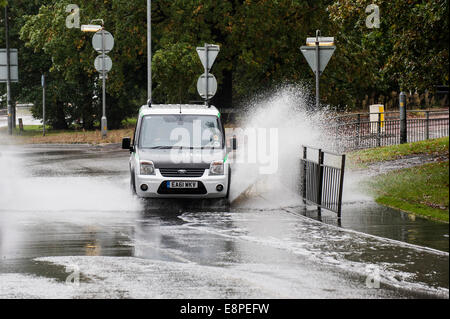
(66, 213)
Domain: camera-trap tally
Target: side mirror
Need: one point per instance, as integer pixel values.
(234, 143)
(126, 143)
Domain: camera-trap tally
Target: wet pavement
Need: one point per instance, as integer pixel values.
(66, 211)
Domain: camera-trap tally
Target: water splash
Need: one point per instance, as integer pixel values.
(46, 185)
(289, 111)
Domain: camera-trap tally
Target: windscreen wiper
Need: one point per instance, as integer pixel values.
(164, 147)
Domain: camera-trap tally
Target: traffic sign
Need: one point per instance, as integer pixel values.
(323, 41)
(13, 66)
(213, 51)
(212, 86)
(97, 41)
(325, 53)
(98, 63)
(318, 52)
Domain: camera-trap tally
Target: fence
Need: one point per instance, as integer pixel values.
(356, 131)
(322, 179)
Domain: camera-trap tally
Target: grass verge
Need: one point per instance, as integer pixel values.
(436, 147)
(422, 190)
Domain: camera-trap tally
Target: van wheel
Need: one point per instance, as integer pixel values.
(229, 183)
(132, 184)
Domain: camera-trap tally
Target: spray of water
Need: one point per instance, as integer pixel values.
(61, 190)
(288, 111)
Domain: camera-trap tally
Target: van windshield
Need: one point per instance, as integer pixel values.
(180, 131)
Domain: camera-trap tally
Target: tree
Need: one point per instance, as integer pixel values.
(177, 67)
(259, 42)
(72, 56)
(409, 51)
(267, 36)
(181, 24)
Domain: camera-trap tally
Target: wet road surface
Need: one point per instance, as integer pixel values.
(66, 213)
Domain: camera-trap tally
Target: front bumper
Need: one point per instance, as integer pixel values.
(154, 182)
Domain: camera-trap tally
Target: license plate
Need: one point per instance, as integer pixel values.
(179, 184)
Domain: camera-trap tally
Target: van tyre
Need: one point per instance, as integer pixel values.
(229, 183)
(132, 184)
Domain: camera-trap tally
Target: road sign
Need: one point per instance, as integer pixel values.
(97, 41)
(212, 86)
(318, 52)
(103, 42)
(213, 51)
(98, 63)
(325, 53)
(323, 41)
(13, 65)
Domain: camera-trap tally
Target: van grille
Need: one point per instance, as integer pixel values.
(182, 172)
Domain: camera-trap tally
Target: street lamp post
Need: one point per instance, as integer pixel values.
(8, 79)
(96, 28)
(149, 51)
(43, 103)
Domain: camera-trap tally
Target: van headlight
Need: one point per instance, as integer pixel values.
(147, 168)
(216, 168)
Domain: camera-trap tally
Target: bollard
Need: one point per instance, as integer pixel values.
(403, 124)
(20, 125)
(14, 115)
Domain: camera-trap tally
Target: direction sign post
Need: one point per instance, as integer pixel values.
(103, 121)
(318, 52)
(207, 83)
(206, 74)
(103, 42)
(317, 70)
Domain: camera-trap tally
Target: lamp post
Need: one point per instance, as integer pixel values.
(149, 51)
(96, 28)
(8, 79)
(43, 103)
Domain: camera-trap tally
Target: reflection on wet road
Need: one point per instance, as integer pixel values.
(65, 210)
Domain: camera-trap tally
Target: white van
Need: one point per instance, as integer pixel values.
(179, 151)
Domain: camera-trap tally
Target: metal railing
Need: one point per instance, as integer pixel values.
(357, 131)
(322, 179)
